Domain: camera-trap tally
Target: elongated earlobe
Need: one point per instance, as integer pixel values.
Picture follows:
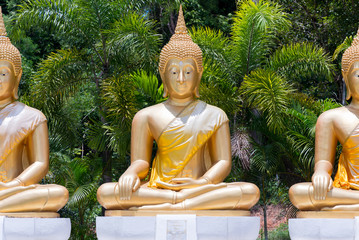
(349, 94)
(15, 94)
(196, 90)
(165, 90)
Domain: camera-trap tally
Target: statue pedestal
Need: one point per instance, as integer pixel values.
(209, 225)
(328, 225)
(36, 227)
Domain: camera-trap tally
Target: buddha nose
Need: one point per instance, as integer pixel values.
(180, 78)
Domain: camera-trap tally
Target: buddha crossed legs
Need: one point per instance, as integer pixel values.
(194, 152)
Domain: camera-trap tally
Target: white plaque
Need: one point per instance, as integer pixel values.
(176, 227)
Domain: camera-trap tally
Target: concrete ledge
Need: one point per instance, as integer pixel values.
(207, 228)
(328, 214)
(323, 229)
(34, 228)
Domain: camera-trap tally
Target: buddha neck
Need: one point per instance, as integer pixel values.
(181, 102)
(6, 102)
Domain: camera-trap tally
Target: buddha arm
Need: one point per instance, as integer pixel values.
(141, 145)
(141, 150)
(220, 152)
(325, 147)
(37, 147)
(325, 144)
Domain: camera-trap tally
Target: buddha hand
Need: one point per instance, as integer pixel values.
(178, 184)
(322, 183)
(128, 183)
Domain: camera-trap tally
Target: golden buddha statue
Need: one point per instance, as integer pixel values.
(24, 144)
(340, 124)
(194, 152)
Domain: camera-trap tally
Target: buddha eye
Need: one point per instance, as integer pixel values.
(174, 73)
(188, 72)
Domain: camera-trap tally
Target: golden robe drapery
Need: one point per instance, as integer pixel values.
(347, 176)
(182, 138)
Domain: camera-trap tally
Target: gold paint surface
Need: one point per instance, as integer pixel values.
(148, 213)
(31, 215)
(193, 146)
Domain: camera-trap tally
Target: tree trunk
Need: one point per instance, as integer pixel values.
(264, 209)
(107, 166)
(265, 221)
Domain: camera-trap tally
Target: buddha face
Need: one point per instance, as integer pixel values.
(352, 81)
(181, 78)
(8, 81)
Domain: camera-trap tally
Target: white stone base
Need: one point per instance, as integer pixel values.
(34, 228)
(207, 228)
(324, 229)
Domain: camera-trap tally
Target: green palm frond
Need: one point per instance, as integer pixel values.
(225, 98)
(58, 14)
(97, 134)
(119, 99)
(148, 88)
(134, 42)
(58, 77)
(58, 167)
(254, 31)
(342, 47)
(81, 194)
(216, 52)
(301, 60)
(323, 105)
(304, 145)
(265, 158)
(301, 139)
(269, 93)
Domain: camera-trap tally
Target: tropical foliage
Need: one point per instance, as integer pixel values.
(90, 65)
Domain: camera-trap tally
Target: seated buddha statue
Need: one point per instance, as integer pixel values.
(333, 126)
(24, 144)
(193, 145)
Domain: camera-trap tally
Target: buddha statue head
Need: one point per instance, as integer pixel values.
(350, 67)
(181, 62)
(10, 65)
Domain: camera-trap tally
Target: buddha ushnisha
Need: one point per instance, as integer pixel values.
(194, 152)
(340, 124)
(24, 144)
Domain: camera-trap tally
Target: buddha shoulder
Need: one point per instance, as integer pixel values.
(216, 111)
(145, 115)
(335, 116)
(25, 113)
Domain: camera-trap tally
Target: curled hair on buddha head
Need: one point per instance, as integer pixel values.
(350, 56)
(9, 52)
(181, 46)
